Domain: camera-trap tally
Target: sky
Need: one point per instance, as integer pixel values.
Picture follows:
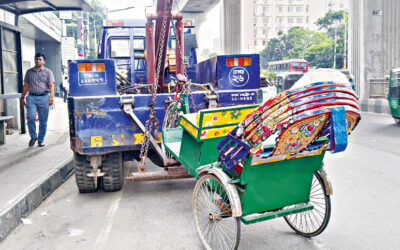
(137, 13)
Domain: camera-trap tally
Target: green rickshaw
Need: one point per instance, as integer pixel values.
(394, 94)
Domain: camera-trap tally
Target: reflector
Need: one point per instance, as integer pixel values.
(91, 67)
(238, 61)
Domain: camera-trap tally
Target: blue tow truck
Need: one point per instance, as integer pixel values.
(110, 99)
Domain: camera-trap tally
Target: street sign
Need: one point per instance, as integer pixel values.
(65, 15)
(69, 51)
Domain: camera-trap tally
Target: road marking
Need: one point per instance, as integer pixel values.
(112, 211)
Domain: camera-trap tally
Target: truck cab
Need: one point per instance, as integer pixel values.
(124, 41)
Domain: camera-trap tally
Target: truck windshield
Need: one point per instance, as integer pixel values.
(396, 80)
(119, 48)
(138, 44)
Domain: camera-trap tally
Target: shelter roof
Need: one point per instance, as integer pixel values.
(21, 7)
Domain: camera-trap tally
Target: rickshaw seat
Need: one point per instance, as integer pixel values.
(214, 123)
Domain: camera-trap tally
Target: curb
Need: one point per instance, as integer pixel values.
(33, 196)
(375, 105)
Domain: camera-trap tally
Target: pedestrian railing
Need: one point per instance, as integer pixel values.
(378, 87)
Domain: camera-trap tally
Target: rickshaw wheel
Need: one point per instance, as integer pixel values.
(212, 210)
(313, 222)
(170, 121)
(397, 120)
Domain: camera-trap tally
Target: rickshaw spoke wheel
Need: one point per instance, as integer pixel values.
(212, 210)
(170, 121)
(313, 222)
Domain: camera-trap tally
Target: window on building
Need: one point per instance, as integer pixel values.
(307, 7)
(265, 32)
(342, 6)
(255, 20)
(280, 9)
(264, 42)
(280, 21)
(265, 20)
(71, 30)
(290, 20)
(299, 20)
(255, 11)
(265, 10)
(255, 32)
(255, 42)
(290, 9)
(299, 9)
(307, 19)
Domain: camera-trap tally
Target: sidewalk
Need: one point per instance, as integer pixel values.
(29, 174)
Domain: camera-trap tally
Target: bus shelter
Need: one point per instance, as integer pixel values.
(11, 73)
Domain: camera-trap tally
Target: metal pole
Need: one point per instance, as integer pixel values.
(179, 52)
(150, 49)
(88, 33)
(95, 37)
(334, 50)
(345, 46)
(78, 33)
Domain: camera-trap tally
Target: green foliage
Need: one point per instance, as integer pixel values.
(331, 19)
(294, 44)
(95, 24)
(316, 47)
(273, 52)
(336, 20)
(269, 76)
(320, 55)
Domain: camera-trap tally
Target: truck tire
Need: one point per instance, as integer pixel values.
(82, 168)
(113, 170)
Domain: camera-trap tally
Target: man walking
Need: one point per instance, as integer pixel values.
(39, 80)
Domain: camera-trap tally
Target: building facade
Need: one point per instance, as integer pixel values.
(38, 32)
(374, 41)
(265, 19)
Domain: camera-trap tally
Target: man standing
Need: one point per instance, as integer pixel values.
(39, 80)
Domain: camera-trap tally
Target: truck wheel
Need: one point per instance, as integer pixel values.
(397, 120)
(113, 170)
(82, 168)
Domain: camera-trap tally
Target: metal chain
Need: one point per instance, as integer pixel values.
(188, 90)
(152, 118)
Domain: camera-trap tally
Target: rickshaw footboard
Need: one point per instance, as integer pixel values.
(250, 219)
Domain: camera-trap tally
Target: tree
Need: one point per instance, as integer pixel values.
(273, 52)
(335, 24)
(294, 44)
(96, 26)
(331, 19)
(320, 54)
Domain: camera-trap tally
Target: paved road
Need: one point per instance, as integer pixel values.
(157, 215)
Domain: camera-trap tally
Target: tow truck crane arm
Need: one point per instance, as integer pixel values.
(157, 39)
